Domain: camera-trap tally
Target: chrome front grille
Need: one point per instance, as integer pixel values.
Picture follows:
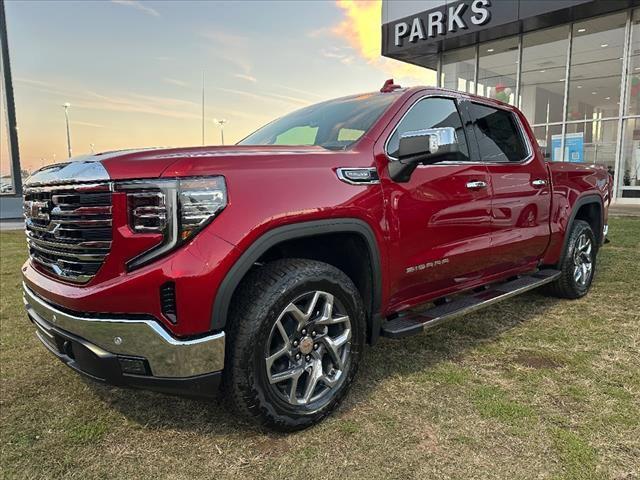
(69, 228)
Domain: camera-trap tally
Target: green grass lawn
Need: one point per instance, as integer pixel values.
(531, 388)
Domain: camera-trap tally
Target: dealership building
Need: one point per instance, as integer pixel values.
(572, 67)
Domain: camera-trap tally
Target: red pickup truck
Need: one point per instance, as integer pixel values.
(265, 267)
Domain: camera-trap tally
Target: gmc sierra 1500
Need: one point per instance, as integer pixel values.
(266, 266)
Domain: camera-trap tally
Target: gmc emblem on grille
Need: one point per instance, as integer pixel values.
(35, 210)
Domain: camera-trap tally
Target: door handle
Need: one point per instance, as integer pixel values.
(539, 182)
(476, 185)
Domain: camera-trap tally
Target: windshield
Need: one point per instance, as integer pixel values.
(335, 124)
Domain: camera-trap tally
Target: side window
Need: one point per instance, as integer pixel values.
(498, 135)
(431, 113)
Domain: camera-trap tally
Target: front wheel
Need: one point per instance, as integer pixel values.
(296, 335)
(579, 263)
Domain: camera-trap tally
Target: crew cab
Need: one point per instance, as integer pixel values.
(262, 269)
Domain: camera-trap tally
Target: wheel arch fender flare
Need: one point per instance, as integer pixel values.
(241, 267)
(577, 205)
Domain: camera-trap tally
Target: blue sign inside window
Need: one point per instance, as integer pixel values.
(573, 147)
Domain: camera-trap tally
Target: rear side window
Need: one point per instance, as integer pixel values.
(431, 113)
(497, 133)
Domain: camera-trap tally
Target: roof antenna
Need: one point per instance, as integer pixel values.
(389, 86)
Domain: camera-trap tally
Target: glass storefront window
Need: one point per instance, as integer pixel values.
(630, 161)
(545, 136)
(497, 69)
(544, 65)
(592, 142)
(458, 70)
(596, 67)
(583, 126)
(632, 106)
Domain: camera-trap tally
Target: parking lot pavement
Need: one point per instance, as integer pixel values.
(11, 224)
(622, 210)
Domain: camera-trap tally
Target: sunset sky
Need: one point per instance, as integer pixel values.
(132, 70)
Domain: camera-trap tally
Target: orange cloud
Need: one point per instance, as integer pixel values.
(361, 28)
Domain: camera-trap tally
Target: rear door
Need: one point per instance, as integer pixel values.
(440, 219)
(521, 194)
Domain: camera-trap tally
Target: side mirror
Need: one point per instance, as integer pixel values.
(425, 147)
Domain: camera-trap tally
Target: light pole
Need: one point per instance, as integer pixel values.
(66, 116)
(203, 108)
(10, 112)
(221, 122)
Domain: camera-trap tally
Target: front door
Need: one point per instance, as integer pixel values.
(439, 221)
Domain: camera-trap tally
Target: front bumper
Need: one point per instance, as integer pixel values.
(128, 351)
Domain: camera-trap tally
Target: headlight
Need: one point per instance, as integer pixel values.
(147, 211)
(200, 200)
(178, 209)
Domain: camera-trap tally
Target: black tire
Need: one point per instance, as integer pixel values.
(567, 286)
(257, 308)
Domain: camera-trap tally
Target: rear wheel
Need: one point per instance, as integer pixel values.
(579, 263)
(295, 340)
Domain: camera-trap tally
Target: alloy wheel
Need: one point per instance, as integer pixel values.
(308, 348)
(583, 260)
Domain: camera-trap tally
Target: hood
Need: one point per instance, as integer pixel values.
(90, 168)
(154, 163)
(253, 158)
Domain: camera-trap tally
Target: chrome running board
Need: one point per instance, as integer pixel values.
(412, 323)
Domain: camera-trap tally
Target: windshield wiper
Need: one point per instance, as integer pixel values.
(333, 146)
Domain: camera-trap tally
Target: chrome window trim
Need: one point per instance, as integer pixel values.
(424, 97)
(530, 152)
(521, 131)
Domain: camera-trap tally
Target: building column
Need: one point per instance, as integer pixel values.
(626, 58)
